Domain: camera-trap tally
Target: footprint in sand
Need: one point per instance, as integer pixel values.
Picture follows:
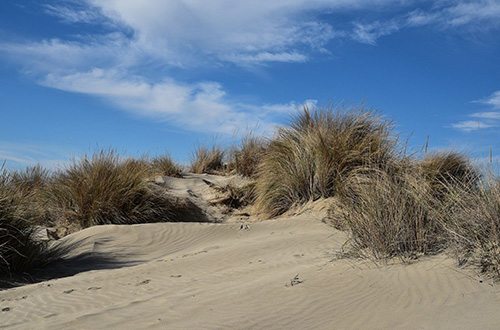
(94, 288)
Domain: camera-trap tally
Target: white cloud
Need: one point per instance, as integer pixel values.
(489, 118)
(482, 14)
(492, 100)
(72, 15)
(487, 115)
(202, 106)
(472, 125)
(369, 33)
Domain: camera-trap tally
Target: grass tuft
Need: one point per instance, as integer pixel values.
(393, 214)
(164, 165)
(249, 155)
(205, 160)
(313, 156)
(103, 189)
(20, 251)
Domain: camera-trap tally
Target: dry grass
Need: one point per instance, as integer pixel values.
(473, 223)
(205, 160)
(164, 165)
(103, 189)
(19, 250)
(448, 168)
(249, 155)
(393, 214)
(313, 156)
(235, 197)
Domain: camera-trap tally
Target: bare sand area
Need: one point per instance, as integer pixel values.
(275, 274)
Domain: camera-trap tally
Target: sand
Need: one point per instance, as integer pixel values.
(275, 274)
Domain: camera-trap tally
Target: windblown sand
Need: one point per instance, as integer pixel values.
(278, 274)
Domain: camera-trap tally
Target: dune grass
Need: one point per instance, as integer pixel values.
(393, 214)
(445, 168)
(207, 160)
(311, 157)
(20, 251)
(165, 165)
(473, 223)
(104, 189)
(249, 155)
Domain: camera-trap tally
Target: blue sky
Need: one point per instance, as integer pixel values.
(152, 76)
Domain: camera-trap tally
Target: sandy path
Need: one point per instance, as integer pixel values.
(219, 276)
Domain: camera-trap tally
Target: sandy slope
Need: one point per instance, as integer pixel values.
(229, 276)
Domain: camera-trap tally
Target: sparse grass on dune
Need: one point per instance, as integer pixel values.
(393, 214)
(448, 168)
(249, 155)
(165, 165)
(19, 250)
(29, 188)
(103, 189)
(207, 160)
(311, 157)
(473, 223)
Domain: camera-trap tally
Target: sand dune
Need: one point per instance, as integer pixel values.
(277, 274)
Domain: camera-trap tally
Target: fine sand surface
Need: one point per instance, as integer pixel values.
(277, 274)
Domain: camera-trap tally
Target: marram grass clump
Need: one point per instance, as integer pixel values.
(312, 157)
(249, 155)
(393, 214)
(104, 189)
(20, 251)
(207, 160)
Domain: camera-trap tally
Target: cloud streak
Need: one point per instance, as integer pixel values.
(202, 106)
(485, 119)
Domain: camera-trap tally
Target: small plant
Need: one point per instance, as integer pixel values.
(205, 160)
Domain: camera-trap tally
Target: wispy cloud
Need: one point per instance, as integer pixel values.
(19, 155)
(492, 100)
(202, 106)
(472, 125)
(70, 14)
(369, 33)
(486, 119)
